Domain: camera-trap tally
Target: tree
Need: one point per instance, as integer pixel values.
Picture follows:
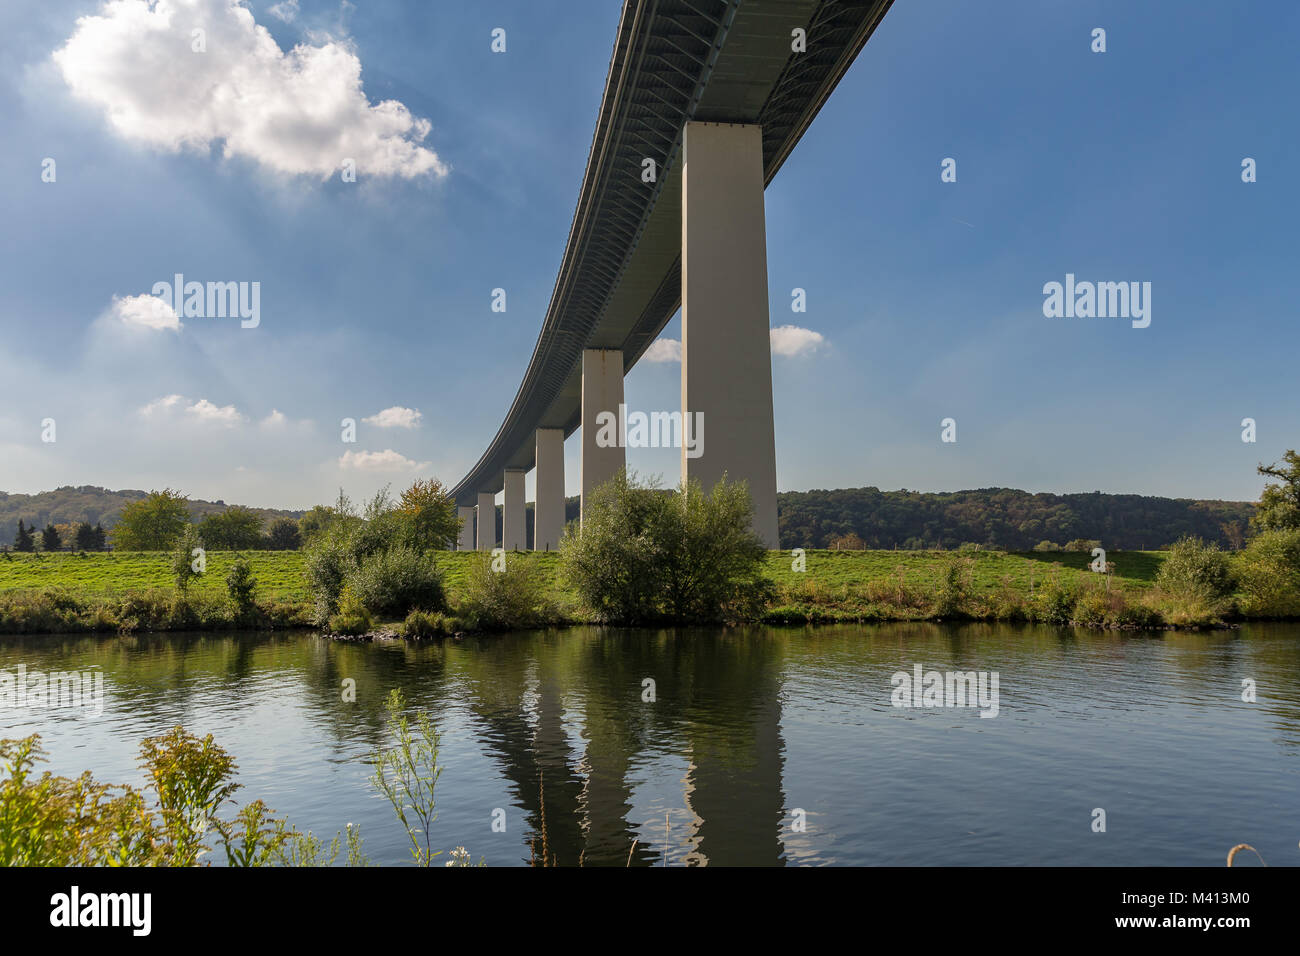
(188, 559)
(153, 523)
(283, 535)
(84, 537)
(235, 529)
(24, 540)
(50, 540)
(314, 522)
(1279, 505)
(101, 537)
(431, 515)
(642, 553)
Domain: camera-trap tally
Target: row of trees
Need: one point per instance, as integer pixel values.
(79, 537)
(1008, 519)
(157, 523)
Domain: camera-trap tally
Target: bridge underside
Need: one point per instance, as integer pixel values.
(674, 62)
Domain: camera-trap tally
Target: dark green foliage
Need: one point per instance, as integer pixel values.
(24, 540)
(186, 563)
(153, 523)
(391, 583)
(50, 540)
(998, 518)
(283, 535)
(1268, 574)
(644, 554)
(1194, 570)
(84, 537)
(235, 529)
(242, 587)
(1279, 505)
(505, 591)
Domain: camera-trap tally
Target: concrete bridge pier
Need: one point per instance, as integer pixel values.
(487, 521)
(514, 521)
(602, 391)
(726, 344)
(465, 540)
(548, 511)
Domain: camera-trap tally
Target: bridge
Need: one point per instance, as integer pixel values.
(703, 103)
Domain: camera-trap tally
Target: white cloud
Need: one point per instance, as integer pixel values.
(792, 340)
(386, 460)
(395, 417)
(786, 340)
(284, 11)
(300, 112)
(202, 411)
(664, 350)
(145, 312)
(276, 419)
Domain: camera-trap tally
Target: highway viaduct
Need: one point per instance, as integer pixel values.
(703, 102)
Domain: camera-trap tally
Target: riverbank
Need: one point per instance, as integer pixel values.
(108, 592)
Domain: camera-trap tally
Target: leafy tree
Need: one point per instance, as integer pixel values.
(50, 540)
(24, 540)
(283, 535)
(101, 537)
(314, 522)
(430, 512)
(1279, 505)
(153, 523)
(235, 529)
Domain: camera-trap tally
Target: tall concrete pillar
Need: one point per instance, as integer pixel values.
(726, 349)
(514, 521)
(487, 521)
(602, 391)
(548, 512)
(465, 541)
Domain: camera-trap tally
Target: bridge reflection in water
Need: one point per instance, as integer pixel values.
(572, 733)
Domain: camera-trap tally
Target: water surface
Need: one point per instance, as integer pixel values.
(747, 726)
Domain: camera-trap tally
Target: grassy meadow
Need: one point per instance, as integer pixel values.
(136, 591)
(279, 574)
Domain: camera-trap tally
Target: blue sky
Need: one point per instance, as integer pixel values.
(375, 295)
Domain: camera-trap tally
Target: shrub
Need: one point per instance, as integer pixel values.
(1054, 603)
(327, 567)
(511, 597)
(1196, 573)
(1268, 571)
(1082, 544)
(643, 554)
(952, 593)
(1092, 608)
(352, 616)
(242, 587)
(421, 625)
(391, 583)
(184, 559)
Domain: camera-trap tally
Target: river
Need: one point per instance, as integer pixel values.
(743, 746)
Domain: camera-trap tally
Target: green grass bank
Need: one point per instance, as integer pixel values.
(71, 592)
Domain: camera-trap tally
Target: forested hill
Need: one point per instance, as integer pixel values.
(89, 503)
(1002, 518)
(990, 517)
